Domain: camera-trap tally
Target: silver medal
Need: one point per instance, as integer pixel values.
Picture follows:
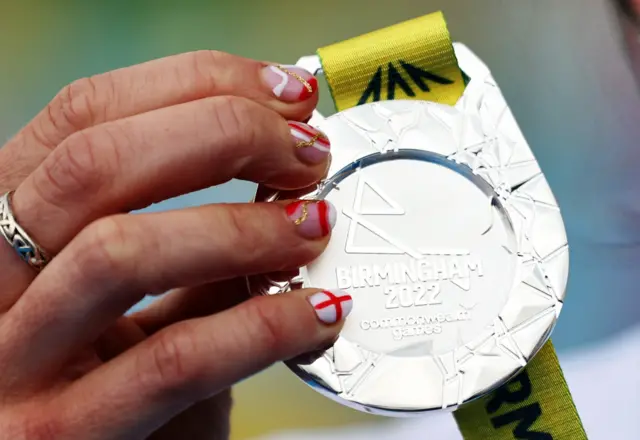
(450, 241)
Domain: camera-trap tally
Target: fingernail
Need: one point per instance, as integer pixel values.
(331, 306)
(312, 145)
(290, 83)
(314, 219)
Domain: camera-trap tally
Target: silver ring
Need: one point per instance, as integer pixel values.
(27, 249)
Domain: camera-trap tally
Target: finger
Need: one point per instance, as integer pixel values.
(112, 264)
(191, 302)
(119, 337)
(193, 360)
(16, 164)
(150, 86)
(164, 83)
(196, 302)
(128, 164)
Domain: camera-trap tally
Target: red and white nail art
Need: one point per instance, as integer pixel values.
(313, 219)
(312, 145)
(290, 83)
(331, 306)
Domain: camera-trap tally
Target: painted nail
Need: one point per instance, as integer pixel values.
(290, 83)
(312, 145)
(331, 306)
(313, 219)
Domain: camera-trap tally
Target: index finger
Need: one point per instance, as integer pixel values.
(290, 91)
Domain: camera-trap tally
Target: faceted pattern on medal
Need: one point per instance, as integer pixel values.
(456, 287)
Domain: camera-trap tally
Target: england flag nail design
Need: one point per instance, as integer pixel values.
(331, 306)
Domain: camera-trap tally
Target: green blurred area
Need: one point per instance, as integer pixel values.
(537, 50)
(46, 44)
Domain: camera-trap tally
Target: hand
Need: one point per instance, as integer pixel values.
(74, 365)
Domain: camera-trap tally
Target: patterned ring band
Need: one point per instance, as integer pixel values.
(26, 248)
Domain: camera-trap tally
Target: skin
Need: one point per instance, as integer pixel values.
(74, 366)
(629, 15)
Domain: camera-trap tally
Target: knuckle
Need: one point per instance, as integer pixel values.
(202, 64)
(40, 131)
(107, 246)
(69, 169)
(168, 364)
(14, 166)
(244, 231)
(268, 320)
(234, 118)
(73, 107)
(207, 59)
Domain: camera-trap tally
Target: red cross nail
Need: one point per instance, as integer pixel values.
(331, 306)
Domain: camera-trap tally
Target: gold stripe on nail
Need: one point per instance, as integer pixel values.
(310, 142)
(298, 77)
(304, 216)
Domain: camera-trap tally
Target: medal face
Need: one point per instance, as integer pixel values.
(425, 243)
(451, 244)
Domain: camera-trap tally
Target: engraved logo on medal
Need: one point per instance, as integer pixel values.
(412, 284)
(424, 250)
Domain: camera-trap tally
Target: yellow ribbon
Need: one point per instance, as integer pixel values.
(536, 405)
(411, 60)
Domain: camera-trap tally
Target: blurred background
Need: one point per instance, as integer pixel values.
(559, 64)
